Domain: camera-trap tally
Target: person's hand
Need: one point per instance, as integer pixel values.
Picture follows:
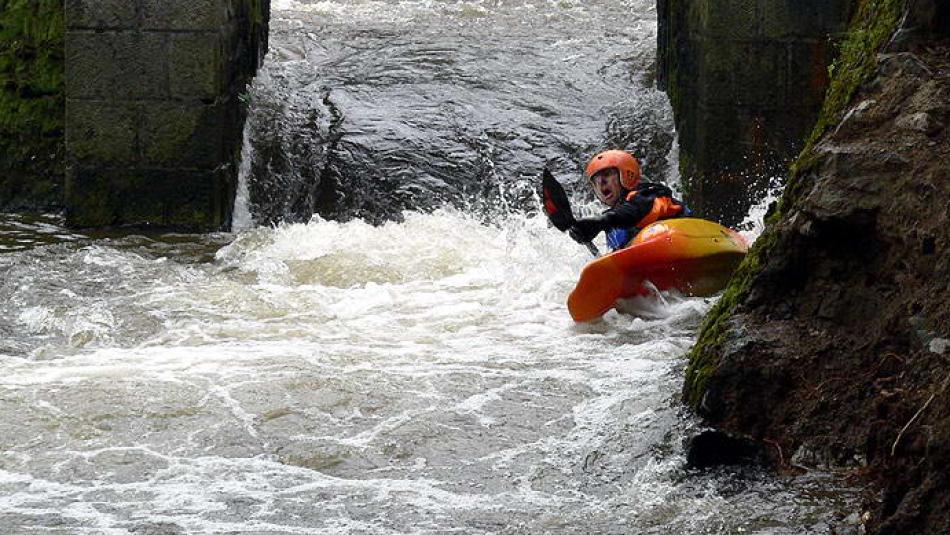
(584, 230)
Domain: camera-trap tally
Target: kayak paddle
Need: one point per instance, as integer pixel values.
(558, 207)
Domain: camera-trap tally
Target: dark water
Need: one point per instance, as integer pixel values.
(367, 109)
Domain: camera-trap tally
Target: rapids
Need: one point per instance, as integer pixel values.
(429, 381)
(400, 364)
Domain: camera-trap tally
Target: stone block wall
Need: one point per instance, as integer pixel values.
(153, 111)
(746, 79)
(31, 105)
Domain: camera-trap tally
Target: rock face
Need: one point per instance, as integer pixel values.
(746, 79)
(31, 105)
(153, 117)
(832, 346)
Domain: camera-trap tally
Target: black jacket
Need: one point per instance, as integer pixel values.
(627, 214)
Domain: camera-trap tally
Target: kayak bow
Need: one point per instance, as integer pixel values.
(693, 256)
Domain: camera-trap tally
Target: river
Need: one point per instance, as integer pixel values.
(403, 361)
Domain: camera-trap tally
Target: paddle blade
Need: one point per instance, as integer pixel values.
(555, 201)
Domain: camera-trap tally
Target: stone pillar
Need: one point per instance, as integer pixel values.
(746, 79)
(153, 111)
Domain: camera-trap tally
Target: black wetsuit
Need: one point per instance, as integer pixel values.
(625, 219)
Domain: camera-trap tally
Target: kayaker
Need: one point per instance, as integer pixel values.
(632, 204)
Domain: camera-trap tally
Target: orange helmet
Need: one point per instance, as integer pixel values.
(623, 161)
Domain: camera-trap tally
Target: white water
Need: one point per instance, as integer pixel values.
(242, 219)
(420, 377)
(425, 370)
(753, 224)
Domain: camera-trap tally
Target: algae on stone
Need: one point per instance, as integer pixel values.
(871, 27)
(31, 103)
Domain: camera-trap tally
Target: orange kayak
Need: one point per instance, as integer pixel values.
(693, 256)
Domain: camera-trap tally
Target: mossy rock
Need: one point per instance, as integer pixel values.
(872, 25)
(32, 106)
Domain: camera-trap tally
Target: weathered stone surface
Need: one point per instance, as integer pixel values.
(749, 59)
(823, 345)
(196, 65)
(116, 65)
(806, 90)
(101, 14)
(761, 82)
(733, 20)
(88, 75)
(797, 19)
(153, 117)
(103, 135)
(182, 199)
(183, 134)
(196, 15)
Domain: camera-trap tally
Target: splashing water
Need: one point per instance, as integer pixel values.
(242, 218)
(753, 224)
(368, 109)
(418, 377)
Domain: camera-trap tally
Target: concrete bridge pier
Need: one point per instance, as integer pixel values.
(153, 108)
(746, 79)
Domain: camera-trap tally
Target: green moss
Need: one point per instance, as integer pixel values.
(257, 14)
(870, 28)
(704, 356)
(32, 106)
(872, 25)
(31, 66)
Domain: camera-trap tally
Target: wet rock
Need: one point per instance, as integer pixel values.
(939, 345)
(920, 122)
(746, 80)
(811, 457)
(904, 63)
(857, 118)
(716, 448)
(853, 524)
(849, 305)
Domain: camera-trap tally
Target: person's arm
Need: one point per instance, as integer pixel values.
(625, 215)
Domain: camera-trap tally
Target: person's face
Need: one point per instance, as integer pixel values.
(606, 184)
